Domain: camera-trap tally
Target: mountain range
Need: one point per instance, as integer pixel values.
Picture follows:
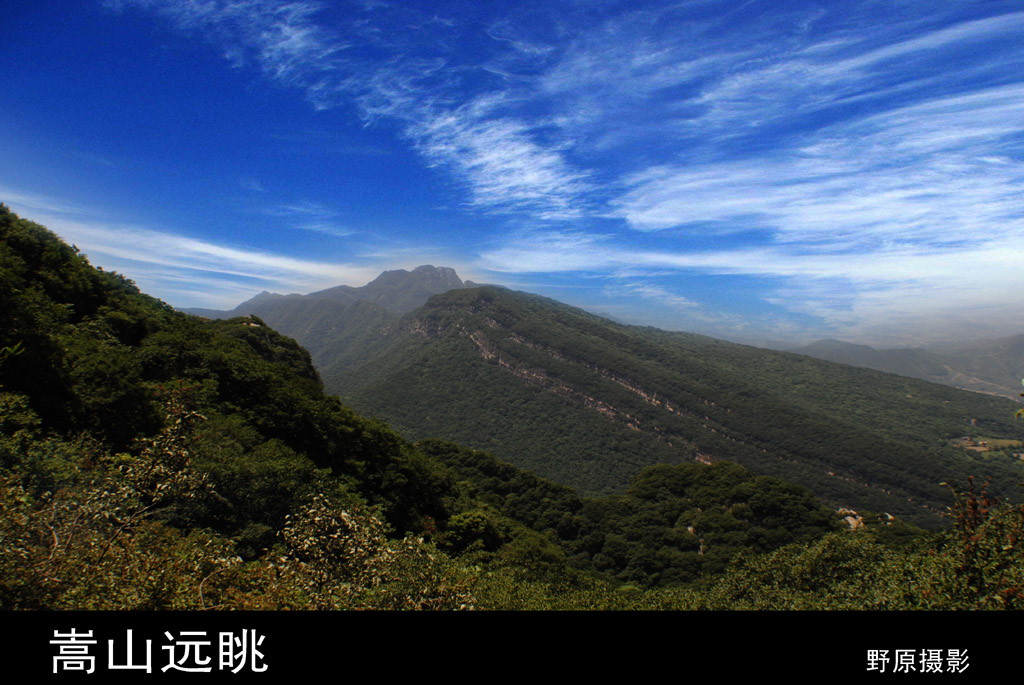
(154, 460)
(989, 366)
(151, 459)
(588, 402)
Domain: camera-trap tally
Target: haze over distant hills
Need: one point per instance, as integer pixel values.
(989, 366)
(588, 402)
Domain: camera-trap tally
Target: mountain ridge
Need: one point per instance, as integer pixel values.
(991, 366)
(165, 439)
(152, 460)
(588, 402)
(539, 367)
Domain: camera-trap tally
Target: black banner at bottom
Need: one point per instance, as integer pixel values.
(889, 647)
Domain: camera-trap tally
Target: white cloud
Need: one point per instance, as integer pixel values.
(252, 184)
(553, 251)
(938, 172)
(956, 36)
(504, 165)
(660, 294)
(201, 272)
(22, 202)
(776, 87)
(899, 288)
(501, 163)
(310, 216)
(326, 228)
(304, 209)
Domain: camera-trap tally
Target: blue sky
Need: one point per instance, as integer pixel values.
(760, 170)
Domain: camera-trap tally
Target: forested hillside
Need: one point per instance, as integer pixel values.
(153, 460)
(132, 431)
(589, 402)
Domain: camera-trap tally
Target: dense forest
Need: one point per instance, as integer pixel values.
(153, 460)
(588, 402)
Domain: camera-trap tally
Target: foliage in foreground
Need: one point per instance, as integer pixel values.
(153, 461)
(106, 542)
(105, 538)
(977, 565)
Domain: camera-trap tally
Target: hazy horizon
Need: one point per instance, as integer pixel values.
(952, 343)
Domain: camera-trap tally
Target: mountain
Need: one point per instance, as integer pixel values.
(397, 291)
(988, 366)
(150, 460)
(336, 324)
(588, 402)
(144, 452)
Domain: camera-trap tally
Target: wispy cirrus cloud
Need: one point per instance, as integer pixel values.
(497, 156)
(658, 293)
(501, 163)
(311, 216)
(243, 266)
(252, 184)
(22, 201)
(282, 39)
(303, 208)
(855, 157)
(327, 228)
(873, 62)
(941, 171)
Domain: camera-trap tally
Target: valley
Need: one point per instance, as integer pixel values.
(156, 460)
(589, 402)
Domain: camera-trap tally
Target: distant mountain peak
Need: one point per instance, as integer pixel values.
(261, 298)
(445, 271)
(398, 291)
(422, 271)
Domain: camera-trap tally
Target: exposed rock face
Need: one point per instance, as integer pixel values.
(851, 518)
